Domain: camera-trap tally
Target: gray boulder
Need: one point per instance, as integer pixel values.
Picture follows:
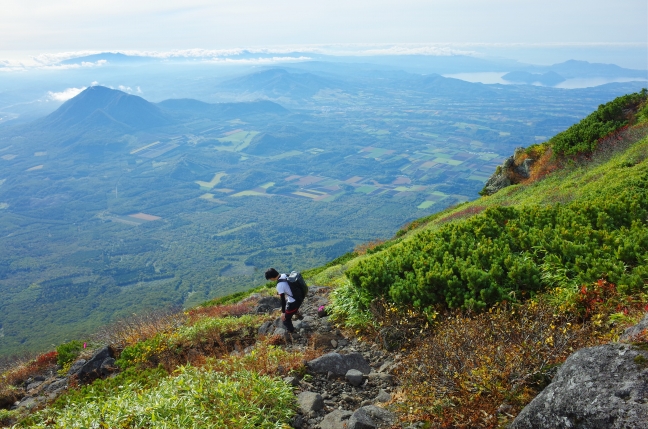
(310, 401)
(76, 367)
(338, 364)
(354, 377)
(371, 417)
(268, 304)
(603, 387)
(272, 301)
(635, 330)
(93, 368)
(336, 420)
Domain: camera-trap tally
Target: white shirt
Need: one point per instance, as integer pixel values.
(283, 287)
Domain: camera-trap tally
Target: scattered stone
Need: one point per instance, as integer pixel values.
(597, 387)
(383, 396)
(301, 324)
(336, 419)
(29, 403)
(297, 422)
(310, 401)
(280, 331)
(321, 312)
(360, 419)
(57, 385)
(323, 340)
(266, 328)
(334, 343)
(380, 416)
(385, 367)
(339, 364)
(291, 381)
(354, 377)
(33, 385)
(381, 377)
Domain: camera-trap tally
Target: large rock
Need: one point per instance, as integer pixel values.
(268, 304)
(339, 364)
(371, 417)
(337, 419)
(635, 330)
(95, 366)
(76, 367)
(603, 387)
(310, 401)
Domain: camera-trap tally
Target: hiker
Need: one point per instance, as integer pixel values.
(289, 305)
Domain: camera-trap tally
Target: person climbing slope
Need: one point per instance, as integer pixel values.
(291, 293)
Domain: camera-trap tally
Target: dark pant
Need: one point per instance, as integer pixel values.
(291, 310)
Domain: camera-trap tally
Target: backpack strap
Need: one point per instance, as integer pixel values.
(286, 281)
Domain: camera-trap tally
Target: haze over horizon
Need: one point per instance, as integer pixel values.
(535, 32)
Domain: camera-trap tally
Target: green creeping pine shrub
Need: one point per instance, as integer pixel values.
(193, 399)
(582, 137)
(68, 352)
(506, 253)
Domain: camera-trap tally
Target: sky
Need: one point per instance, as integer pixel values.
(45, 26)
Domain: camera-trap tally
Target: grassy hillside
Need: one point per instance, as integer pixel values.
(482, 302)
(583, 222)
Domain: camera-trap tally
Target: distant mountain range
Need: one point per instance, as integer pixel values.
(412, 63)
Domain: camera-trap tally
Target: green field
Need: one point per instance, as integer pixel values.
(215, 181)
(237, 141)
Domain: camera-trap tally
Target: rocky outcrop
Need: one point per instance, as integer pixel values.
(603, 387)
(339, 365)
(509, 173)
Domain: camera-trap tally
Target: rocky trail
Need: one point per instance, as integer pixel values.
(350, 385)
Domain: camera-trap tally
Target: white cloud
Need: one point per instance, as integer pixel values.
(125, 88)
(65, 94)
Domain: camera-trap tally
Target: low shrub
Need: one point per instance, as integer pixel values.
(507, 253)
(459, 373)
(608, 118)
(68, 352)
(194, 398)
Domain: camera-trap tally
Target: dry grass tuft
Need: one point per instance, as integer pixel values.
(237, 309)
(362, 249)
(140, 327)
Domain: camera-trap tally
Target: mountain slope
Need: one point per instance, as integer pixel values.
(275, 83)
(107, 107)
(194, 108)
